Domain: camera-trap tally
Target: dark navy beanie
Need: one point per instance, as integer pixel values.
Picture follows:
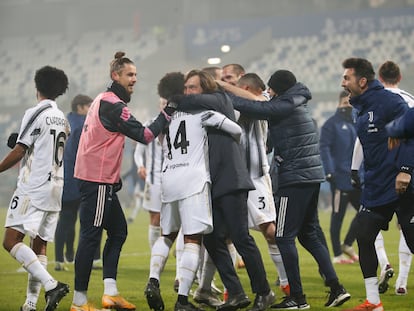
(281, 81)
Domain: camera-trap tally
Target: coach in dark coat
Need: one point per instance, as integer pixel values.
(300, 172)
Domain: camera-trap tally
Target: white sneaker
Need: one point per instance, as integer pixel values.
(206, 297)
(60, 266)
(28, 307)
(401, 291)
(350, 252)
(215, 289)
(342, 259)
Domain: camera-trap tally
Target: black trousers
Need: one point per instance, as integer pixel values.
(340, 201)
(99, 209)
(371, 220)
(230, 221)
(297, 217)
(65, 232)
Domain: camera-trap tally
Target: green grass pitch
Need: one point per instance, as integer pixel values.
(134, 269)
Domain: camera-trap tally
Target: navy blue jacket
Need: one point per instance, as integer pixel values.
(338, 135)
(70, 185)
(377, 107)
(403, 127)
(293, 133)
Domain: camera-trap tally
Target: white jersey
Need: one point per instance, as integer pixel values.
(186, 168)
(260, 203)
(253, 140)
(409, 99)
(44, 130)
(152, 156)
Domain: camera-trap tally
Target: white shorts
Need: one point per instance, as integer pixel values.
(192, 214)
(29, 220)
(260, 203)
(152, 198)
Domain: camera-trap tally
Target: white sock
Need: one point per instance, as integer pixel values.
(208, 271)
(405, 258)
(277, 260)
(154, 232)
(79, 298)
(34, 285)
(188, 267)
(371, 287)
(110, 287)
(179, 248)
(381, 254)
(233, 253)
(159, 255)
(25, 256)
(202, 258)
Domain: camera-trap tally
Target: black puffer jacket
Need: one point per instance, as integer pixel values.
(293, 133)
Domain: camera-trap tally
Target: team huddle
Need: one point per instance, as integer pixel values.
(208, 181)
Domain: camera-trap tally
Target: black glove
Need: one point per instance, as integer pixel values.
(11, 141)
(170, 108)
(355, 181)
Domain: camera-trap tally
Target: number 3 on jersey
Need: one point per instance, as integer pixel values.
(180, 140)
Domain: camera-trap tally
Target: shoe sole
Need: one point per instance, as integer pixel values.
(340, 300)
(241, 305)
(154, 301)
(383, 285)
(207, 302)
(61, 294)
(303, 307)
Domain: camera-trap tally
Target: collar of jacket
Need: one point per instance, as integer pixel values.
(119, 91)
(359, 101)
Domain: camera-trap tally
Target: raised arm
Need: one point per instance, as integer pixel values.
(221, 122)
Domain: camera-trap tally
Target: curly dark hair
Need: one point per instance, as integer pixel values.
(51, 82)
(171, 84)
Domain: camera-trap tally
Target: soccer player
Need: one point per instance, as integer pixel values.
(382, 195)
(36, 202)
(300, 173)
(185, 149)
(98, 165)
(390, 76)
(230, 185)
(260, 202)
